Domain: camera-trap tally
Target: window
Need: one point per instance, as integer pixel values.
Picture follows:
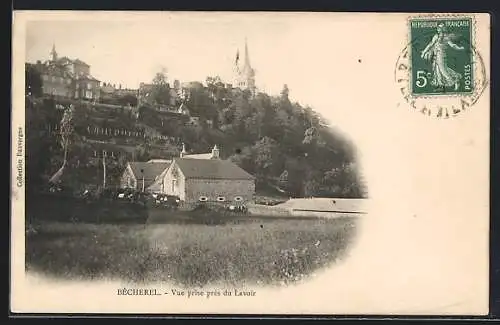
(89, 86)
(174, 185)
(77, 85)
(76, 94)
(45, 77)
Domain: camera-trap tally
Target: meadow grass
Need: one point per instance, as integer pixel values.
(262, 251)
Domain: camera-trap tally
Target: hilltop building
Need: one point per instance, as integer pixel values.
(67, 78)
(145, 97)
(110, 89)
(244, 75)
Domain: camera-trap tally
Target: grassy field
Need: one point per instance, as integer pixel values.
(265, 251)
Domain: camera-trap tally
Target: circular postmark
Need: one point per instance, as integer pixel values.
(440, 73)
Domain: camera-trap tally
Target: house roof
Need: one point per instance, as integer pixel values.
(150, 170)
(211, 169)
(160, 161)
(199, 156)
(78, 61)
(87, 77)
(58, 69)
(53, 70)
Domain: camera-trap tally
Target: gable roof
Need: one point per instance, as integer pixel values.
(150, 170)
(211, 169)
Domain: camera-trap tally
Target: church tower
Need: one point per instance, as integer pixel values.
(53, 53)
(245, 76)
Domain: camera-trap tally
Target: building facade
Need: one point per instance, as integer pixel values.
(63, 77)
(142, 176)
(206, 177)
(87, 87)
(145, 95)
(56, 82)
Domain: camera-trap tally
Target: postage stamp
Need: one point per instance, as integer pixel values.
(441, 57)
(440, 72)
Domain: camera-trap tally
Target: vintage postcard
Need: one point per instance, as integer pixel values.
(250, 163)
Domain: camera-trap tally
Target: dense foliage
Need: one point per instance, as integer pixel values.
(289, 148)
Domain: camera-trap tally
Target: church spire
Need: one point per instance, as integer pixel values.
(53, 52)
(245, 76)
(247, 57)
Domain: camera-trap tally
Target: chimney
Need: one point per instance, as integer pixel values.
(183, 152)
(215, 152)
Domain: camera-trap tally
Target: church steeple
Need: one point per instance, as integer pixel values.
(53, 53)
(247, 57)
(245, 77)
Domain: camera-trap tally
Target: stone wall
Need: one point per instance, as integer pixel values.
(53, 85)
(177, 188)
(212, 189)
(124, 179)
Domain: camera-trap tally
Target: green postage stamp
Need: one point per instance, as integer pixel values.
(441, 56)
(439, 72)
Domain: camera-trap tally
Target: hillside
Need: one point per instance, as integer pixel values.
(286, 146)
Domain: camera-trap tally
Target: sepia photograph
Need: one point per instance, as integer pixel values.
(191, 157)
(160, 178)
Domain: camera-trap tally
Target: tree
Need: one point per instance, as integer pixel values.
(311, 182)
(295, 176)
(283, 179)
(244, 159)
(39, 142)
(33, 81)
(141, 153)
(285, 92)
(265, 115)
(267, 157)
(344, 181)
(160, 92)
(280, 141)
(311, 136)
(66, 132)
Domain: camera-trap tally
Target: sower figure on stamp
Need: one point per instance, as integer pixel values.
(435, 51)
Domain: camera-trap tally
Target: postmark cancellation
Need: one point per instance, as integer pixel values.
(440, 72)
